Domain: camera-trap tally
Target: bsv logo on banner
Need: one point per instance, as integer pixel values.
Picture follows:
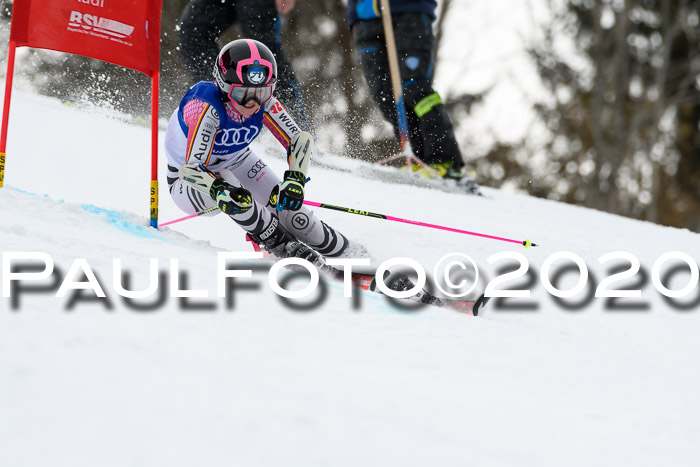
(100, 25)
(236, 136)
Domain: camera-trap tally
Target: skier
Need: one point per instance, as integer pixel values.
(203, 21)
(210, 162)
(430, 130)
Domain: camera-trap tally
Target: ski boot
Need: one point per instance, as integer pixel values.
(277, 241)
(462, 179)
(352, 250)
(458, 178)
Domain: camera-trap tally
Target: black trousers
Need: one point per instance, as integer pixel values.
(203, 21)
(429, 127)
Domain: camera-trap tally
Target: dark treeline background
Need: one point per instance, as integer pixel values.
(625, 109)
(622, 117)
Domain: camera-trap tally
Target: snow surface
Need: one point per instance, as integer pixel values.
(86, 382)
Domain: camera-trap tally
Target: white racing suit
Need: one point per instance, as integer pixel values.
(196, 133)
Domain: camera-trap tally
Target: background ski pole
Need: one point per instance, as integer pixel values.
(526, 243)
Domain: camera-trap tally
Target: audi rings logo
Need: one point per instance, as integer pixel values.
(236, 136)
(256, 169)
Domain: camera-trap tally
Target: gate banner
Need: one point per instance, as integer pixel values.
(123, 32)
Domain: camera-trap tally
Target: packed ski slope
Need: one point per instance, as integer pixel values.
(86, 382)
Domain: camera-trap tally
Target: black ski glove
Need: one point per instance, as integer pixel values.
(290, 193)
(230, 199)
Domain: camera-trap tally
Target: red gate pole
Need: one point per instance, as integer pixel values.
(154, 148)
(6, 108)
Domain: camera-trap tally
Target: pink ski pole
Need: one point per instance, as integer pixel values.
(526, 243)
(196, 214)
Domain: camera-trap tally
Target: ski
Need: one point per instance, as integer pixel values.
(396, 175)
(407, 177)
(401, 282)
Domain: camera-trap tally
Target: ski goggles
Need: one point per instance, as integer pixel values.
(243, 94)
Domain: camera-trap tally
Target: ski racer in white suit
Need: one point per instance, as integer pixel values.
(211, 164)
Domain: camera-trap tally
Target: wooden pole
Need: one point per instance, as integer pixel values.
(395, 77)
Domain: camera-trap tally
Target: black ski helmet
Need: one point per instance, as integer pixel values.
(246, 69)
